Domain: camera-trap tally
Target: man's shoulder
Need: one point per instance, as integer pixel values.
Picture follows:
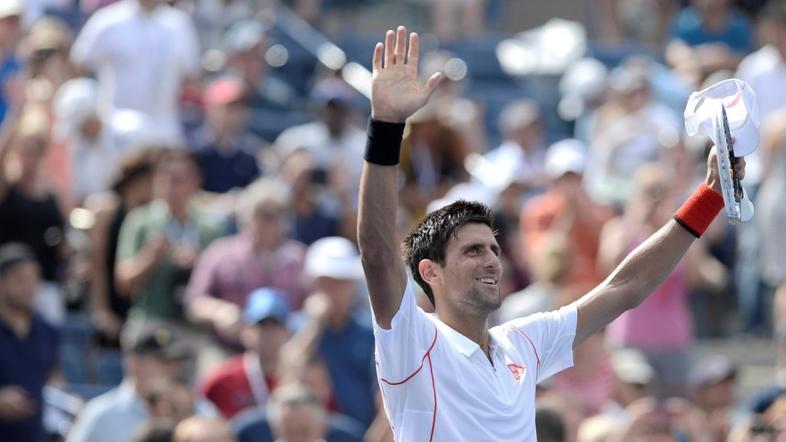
(111, 15)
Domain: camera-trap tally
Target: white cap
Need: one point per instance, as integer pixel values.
(76, 100)
(584, 80)
(631, 366)
(10, 8)
(741, 110)
(565, 156)
(334, 257)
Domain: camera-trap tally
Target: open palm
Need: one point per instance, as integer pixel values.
(396, 92)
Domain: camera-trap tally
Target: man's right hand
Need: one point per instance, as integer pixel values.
(15, 404)
(396, 92)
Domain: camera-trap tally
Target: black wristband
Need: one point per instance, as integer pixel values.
(384, 142)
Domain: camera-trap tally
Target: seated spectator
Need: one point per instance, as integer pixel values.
(712, 381)
(160, 241)
(293, 414)
(203, 429)
(334, 140)
(707, 36)
(45, 49)
(567, 210)
(28, 347)
(314, 219)
(246, 381)
(224, 149)
(260, 255)
(254, 425)
(30, 210)
(131, 188)
(333, 330)
(153, 353)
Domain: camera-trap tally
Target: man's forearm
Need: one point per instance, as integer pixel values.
(379, 249)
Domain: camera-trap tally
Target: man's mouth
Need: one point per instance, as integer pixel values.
(488, 280)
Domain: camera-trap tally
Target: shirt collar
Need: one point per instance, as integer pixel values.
(461, 343)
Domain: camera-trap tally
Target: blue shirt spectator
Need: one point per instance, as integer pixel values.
(8, 69)
(691, 27)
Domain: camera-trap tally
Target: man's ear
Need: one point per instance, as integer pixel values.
(430, 272)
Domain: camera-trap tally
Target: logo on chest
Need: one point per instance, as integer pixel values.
(517, 370)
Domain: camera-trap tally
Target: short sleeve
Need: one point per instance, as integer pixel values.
(550, 335)
(131, 238)
(401, 350)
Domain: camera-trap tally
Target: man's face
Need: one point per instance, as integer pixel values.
(267, 338)
(152, 366)
(19, 284)
(267, 223)
(176, 180)
(472, 272)
(228, 119)
(9, 30)
(300, 423)
(341, 293)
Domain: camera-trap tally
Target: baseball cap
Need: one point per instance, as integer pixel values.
(154, 337)
(584, 80)
(243, 35)
(333, 257)
(630, 366)
(10, 8)
(569, 155)
(14, 253)
(223, 90)
(266, 303)
(742, 113)
(712, 370)
(48, 33)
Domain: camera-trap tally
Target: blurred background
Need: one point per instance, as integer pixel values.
(178, 198)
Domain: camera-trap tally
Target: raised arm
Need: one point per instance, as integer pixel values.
(644, 269)
(396, 94)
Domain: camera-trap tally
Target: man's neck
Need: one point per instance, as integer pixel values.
(18, 320)
(475, 328)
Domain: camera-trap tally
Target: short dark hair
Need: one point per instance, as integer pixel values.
(429, 239)
(549, 424)
(774, 11)
(15, 253)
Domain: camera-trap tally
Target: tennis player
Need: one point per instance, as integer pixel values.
(446, 376)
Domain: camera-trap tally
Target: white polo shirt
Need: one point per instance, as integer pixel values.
(438, 385)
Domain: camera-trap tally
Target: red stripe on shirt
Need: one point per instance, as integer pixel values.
(537, 356)
(422, 361)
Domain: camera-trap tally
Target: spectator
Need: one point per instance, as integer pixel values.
(244, 45)
(712, 381)
(131, 188)
(254, 425)
(142, 52)
(224, 149)
(203, 429)
(336, 143)
(246, 381)
(10, 19)
(30, 211)
(45, 49)
(522, 149)
(662, 326)
(313, 218)
(631, 129)
(707, 36)
(28, 347)
(171, 400)
(566, 209)
(333, 331)
(153, 353)
(764, 69)
(296, 415)
(549, 266)
(160, 241)
(261, 255)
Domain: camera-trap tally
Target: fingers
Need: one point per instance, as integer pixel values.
(432, 83)
(414, 49)
(390, 39)
(739, 167)
(401, 45)
(377, 60)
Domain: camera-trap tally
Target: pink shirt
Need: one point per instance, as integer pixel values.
(230, 269)
(662, 322)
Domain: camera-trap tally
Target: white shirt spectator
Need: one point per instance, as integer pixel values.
(141, 59)
(347, 150)
(765, 72)
(438, 385)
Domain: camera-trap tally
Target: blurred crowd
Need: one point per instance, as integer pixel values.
(178, 198)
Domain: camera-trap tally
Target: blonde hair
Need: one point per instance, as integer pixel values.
(260, 192)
